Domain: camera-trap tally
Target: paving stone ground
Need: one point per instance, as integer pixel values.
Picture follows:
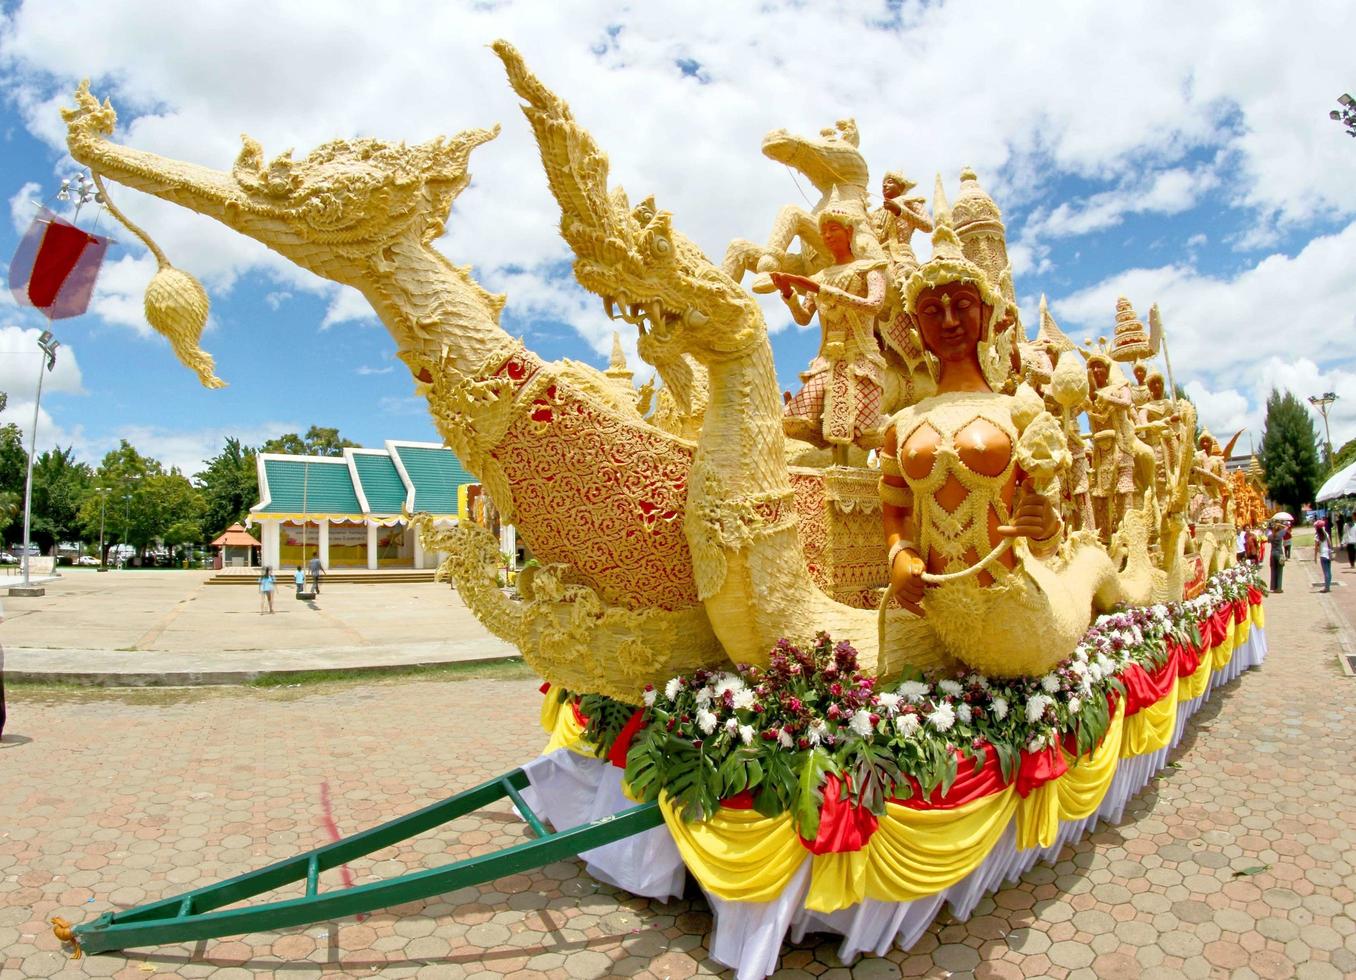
(109, 800)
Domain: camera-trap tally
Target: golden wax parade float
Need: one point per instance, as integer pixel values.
(861, 648)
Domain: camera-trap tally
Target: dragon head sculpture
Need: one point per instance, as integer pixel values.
(829, 160)
(646, 272)
(332, 212)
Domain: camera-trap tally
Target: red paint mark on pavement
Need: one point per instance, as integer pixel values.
(332, 828)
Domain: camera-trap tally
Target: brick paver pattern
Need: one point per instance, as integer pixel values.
(112, 800)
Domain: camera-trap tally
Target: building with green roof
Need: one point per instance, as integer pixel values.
(350, 510)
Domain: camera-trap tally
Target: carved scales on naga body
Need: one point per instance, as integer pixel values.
(660, 554)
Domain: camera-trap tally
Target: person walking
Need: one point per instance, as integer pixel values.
(1349, 542)
(300, 579)
(1323, 551)
(316, 572)
(1276, 540)
(266, 590)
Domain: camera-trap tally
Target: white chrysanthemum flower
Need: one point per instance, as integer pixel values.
(913, 691)
(999, 707)
(950, 687)
(890, 702)
(732, 725)
(1079, 667)
(743, 699)
(784, 739)
(1050, 683)
(817, 731)
(746, 734)
(1036, 744)
(706, 721)
(942, 717)
(1106, 665)
(649, 698)
(1081, 653)
(861, 723)
(729, 682)
(1074, 705)
(672, 688)
(1035, 708)
(963, 713)
(703, 697)
(907, 725)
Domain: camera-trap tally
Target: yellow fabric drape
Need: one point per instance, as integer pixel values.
(1150, 729)
(914, 853)
(1223, 653)
(1259, 618)
(1196, 683)
(738, 855)
(563, 727)
(1075, 795)
(1242, 631)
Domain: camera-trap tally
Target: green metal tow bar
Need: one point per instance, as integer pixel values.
(191, 916)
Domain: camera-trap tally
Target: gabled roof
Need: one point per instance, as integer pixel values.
(236, 536)
(378, 482)
(432, 472)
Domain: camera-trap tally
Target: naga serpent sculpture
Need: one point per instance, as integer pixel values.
(661, 554)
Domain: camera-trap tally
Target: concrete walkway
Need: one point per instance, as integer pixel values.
(168, 627)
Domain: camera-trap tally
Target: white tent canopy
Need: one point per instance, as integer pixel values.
(1340, 484)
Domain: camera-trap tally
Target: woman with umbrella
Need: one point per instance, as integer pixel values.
(1280, 528)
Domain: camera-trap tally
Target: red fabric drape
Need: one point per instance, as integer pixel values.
(622, 745)
(843, 827)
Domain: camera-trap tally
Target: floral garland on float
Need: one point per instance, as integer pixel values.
(904, 792)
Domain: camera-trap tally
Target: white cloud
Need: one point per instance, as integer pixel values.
(1233, 339)
(347, 305)
(1167, 192)
(21, 360)
(366, 369)
(301, 73)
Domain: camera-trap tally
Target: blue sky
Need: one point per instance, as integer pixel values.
(1192, 165)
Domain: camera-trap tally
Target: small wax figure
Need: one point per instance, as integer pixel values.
(1113, 467)
(1139, 391)
(1209, 496)
(1158, 426)
(840, 400)
(895, 221)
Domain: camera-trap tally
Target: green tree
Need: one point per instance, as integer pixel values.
(120, 475)
(11, 506)
(1343, 457)
(1289, 455)
(59, 487)
(13, 460)
(230, 487)
(317, 442)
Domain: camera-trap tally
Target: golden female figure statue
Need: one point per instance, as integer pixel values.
(840, 400)
(973, 541)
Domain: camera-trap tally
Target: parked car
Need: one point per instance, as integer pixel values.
(7, 559)
(87, 560)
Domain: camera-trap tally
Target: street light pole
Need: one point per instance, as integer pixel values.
(48, 345)
(1321, 402)
(103, 555)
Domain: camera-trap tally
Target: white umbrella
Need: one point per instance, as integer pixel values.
(1340, 484)
(1281, 515)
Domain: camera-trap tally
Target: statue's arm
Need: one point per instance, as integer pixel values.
(906, 563)
(870, 303)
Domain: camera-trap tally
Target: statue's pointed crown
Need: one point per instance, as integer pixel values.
(1049, 331)
(948, 264)
(618, 360)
